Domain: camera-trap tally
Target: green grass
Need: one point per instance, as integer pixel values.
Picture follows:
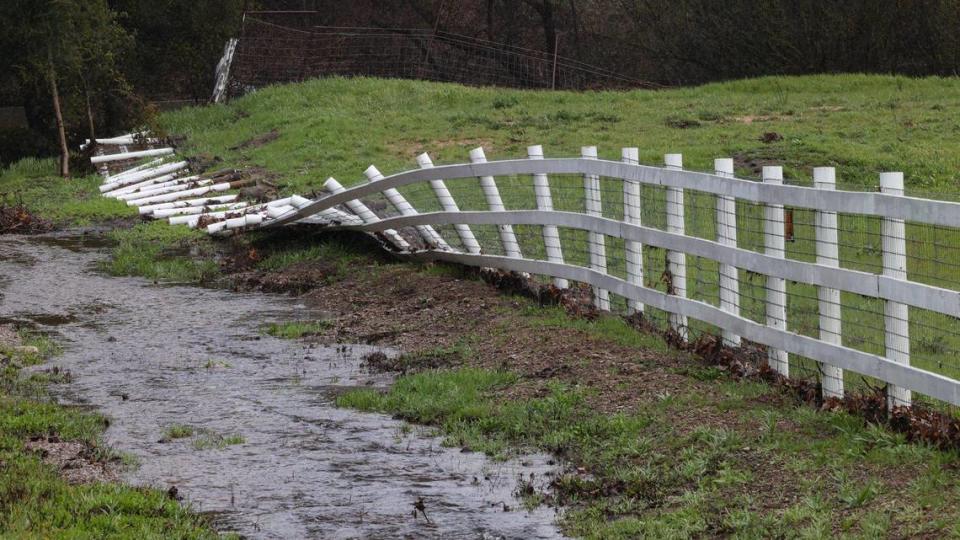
(36, 503)
(161, 252)
(296, 329)
(803, 474)
(71, 202)
(178, 431)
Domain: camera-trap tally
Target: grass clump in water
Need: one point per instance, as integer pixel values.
(159, 251)
(297, 329)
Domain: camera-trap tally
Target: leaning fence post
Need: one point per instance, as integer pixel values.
(775, 246)
(596, 241)
(489, 186)
(828, 254)
(448, 204)
(727, 236)
(551, 235)
(896, 316)
(631, 214)
(366, 214)
(677, 260)
(428, 233)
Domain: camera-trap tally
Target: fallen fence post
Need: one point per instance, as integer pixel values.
(596, 242)
(366, 215)
(489, 186)
(428, 233)
(448, 204)
(676, 260)
(774, 246)
(729, 275)
(131, 155)
(896, 316)
(828, 299)
(633, 250)
(551, 234)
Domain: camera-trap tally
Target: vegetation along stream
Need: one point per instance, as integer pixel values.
(242, 424)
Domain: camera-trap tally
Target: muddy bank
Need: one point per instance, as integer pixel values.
(241, 425)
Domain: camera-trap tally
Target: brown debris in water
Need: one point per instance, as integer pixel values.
(16, 219)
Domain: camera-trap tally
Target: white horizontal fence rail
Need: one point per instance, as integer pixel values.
(891, 287)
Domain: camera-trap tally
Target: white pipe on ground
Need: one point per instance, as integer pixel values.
(170, 197)
(140, 176)
(131, 155)
(128, 172)
(193, 210)
(204, 201)
(153, 183)
(178, 186)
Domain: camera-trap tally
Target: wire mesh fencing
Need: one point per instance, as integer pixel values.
(811, 284)
(270, 53)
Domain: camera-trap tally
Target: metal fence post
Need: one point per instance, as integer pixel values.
(896, 316)
(551, 234)
(774, 245)
(448, 204)
(729, 276)
(633, 250)
(596, 242)
(828, 254)
(677, 260)
(489, 186)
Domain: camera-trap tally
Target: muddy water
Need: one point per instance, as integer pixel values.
(150, 356)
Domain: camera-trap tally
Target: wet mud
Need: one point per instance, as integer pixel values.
(262, 448)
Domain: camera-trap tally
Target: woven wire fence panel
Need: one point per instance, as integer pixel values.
(269, 53)
(933, 257)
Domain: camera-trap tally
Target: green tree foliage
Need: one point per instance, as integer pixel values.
(178, 43)
(65, 54)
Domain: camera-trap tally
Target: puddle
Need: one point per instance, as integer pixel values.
(155, 356)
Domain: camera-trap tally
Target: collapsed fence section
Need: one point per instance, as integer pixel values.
(843, 288)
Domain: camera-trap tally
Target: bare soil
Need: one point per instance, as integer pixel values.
(77, 462)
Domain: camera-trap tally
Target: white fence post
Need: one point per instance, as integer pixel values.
(896, 316)
(596, 241)
(428, 233)
(509, 240)
(448, 204)
(727, 235)
(677, 260)
(551, 235)
(775, 246)
(828, 254)
(365, 214)
(633, 250)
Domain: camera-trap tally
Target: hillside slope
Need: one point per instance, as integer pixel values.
(337, 127)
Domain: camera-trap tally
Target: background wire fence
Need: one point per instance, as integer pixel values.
(933, 257)
(269, 53)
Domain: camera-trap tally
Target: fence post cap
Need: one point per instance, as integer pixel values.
(891, 180)
(372, 173)
(477, 155)
(535, 151)
(673, 160)
(723, 165)
(824, 176)
(772, 173)
(589, 152)
(424, 160)
(630, 154)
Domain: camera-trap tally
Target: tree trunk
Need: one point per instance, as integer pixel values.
(61, 131)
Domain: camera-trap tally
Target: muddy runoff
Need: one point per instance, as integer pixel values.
(259, 444)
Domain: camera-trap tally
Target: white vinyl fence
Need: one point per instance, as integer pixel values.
(836, 285)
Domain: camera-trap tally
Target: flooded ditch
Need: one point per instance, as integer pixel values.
(265, 452)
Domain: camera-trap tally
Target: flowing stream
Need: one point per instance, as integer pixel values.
(152, 356)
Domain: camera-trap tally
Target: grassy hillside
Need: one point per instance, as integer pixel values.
(337, 127)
